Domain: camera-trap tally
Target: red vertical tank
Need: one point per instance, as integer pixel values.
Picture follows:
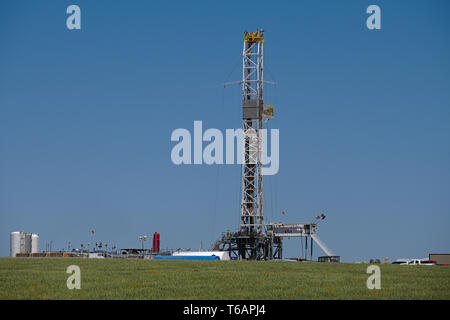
(156, 242)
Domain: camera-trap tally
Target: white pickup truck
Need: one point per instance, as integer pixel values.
(422, 262)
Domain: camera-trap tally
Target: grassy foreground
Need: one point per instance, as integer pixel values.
(45, 278)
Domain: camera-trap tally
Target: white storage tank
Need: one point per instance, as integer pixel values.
(27, 242)
(34, 243)
(17, 243)
(14, 243)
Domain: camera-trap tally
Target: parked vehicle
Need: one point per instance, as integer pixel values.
(428, 262)
(424, 262)
(413, 262)
(401, 261)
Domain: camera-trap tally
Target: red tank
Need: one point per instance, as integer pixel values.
(156, 242)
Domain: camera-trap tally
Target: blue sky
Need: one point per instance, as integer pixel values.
(86, 118)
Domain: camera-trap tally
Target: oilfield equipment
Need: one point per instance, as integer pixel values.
(26, 245)
(255, 239)
(22, 242)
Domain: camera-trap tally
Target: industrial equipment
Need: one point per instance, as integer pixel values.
(255, 239)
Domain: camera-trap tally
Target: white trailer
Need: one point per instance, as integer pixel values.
(223, 255)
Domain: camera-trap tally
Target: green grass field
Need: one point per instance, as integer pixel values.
(45, 278)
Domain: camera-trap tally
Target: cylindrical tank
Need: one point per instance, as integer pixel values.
(156, 242)
(27, 242)
(34, 243)
(15, 243)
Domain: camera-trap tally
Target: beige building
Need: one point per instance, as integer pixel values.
(440, 258)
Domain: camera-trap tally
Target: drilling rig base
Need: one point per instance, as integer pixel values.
(244, 245)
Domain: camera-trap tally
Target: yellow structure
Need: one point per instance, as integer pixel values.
(268, 111)
(253, 37)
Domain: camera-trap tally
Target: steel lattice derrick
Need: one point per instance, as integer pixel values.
(252, 103)
(252, 241)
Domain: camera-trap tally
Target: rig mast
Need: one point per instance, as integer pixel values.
(257, 240)
(252, 217)
(251, 241)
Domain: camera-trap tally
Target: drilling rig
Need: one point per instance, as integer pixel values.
(252, 241)
(255, 239)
